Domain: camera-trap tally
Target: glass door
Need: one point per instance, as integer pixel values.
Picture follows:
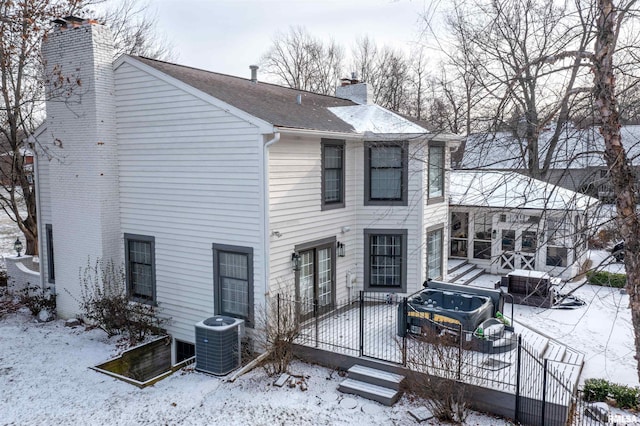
(316, 279)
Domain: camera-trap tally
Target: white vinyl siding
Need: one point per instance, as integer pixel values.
(295, 215)
(190, 175)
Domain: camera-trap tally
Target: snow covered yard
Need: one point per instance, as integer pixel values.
(601, 330)
(45, 380)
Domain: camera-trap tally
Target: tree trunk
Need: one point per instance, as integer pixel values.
(621, 172)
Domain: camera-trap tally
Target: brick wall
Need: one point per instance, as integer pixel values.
(83, 170)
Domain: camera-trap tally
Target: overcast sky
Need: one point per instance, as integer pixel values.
(227, 36)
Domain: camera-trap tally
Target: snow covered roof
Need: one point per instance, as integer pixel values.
(577, 149)
(503, 189)
(375, 120)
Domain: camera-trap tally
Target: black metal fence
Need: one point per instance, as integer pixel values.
(370, 325)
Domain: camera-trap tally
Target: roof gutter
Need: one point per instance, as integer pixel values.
(265, 213)
(319, 133)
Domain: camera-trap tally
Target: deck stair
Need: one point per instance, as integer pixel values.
(374, 384)
(565, 359)
(464, 273)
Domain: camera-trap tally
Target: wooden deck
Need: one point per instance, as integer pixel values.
(339, 332)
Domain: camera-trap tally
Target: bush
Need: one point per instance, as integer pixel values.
(106, 304)
(607, 279)
(600, 390)
(281, 328)
(37, 300)
(596, 390)
(625, 396)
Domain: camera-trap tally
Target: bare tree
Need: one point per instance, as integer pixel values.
(134, 27)
(298, 60)
(22, 27)
(495, 47)
(610, 20)
(537, 53)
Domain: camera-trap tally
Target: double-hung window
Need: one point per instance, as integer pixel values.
(332, 174)
(140, 267)
(233, 281)
(436, 173)
(385, 259)
(386, 173)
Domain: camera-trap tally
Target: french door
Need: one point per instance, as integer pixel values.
(518, 249)
(316, 278)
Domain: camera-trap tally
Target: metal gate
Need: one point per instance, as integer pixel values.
(379, 327)
(543, 397)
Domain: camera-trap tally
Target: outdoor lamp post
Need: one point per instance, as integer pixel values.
(17, 246)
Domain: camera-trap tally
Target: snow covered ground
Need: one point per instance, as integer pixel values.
(45, 380)
(45, 377)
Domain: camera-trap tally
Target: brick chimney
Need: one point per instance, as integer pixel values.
(352, 89)
(82, 200)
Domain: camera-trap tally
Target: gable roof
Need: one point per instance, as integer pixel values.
(501, 189)
(269, 102)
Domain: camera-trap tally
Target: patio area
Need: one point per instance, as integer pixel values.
(368, 327)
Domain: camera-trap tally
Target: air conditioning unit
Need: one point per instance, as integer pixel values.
(218, 344)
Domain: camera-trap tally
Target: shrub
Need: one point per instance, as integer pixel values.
(106, 304)
(281, 328)
(608, 279)
(434, 375)
(601, 390)
(596, 390)
(37, 300)
(625, 396)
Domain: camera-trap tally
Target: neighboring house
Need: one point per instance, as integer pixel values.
(503, 221)
(577, 163)
(218, 192)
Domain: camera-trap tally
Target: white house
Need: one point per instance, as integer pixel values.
(501, 221)
(208, 188)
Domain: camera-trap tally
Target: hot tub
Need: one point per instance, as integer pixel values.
(448, 308)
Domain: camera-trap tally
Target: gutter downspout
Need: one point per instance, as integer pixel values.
(265, 201)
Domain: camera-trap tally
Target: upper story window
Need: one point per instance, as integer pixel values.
(436, 173)
(386, 174)
(332, 174)
(140, 267)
